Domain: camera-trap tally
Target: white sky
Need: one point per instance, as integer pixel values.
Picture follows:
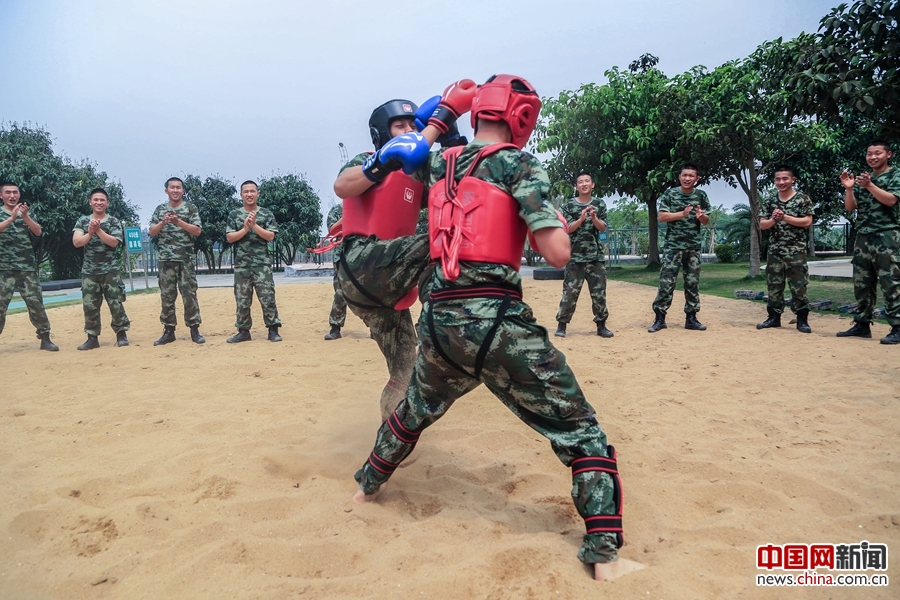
(240, 89)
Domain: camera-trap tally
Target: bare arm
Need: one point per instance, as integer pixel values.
(556, 248)
(155, 229)
(109, 240)
(80, 239)
(767, 223)
(598, 224)
(192, 229)
(797, 221)
(847, 181)
(264, 233)
(32, 224)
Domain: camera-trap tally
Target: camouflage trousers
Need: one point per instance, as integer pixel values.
(876, 260)
(246, 279)
(796, 271)
(175, 276)
(672, 262)
(374, 274)
(338, 315)
(94, 288)
(576, 273)
(30, 287)
(532, 378)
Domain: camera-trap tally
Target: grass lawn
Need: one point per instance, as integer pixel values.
(15, 311)
(721, 279)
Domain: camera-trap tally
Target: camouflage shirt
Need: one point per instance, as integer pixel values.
(251, 250)
(334, 215)
(786, 239)
(16, 252)
(100, 259)
(683, 234)
(173, 242)
(586, 246)
(871, 215)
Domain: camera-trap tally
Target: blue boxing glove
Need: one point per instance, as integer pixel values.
(408, 152)
(426, 109)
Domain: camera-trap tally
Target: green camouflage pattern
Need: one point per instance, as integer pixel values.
(175, 276)
(586, 246)
(528, 375)
(338, 315)
(251, 250)
(30, 285)
(522, 368)
(334, 215)
(683, 234)
(386, 269)
(871, 215)
(786, 239)
(16, 251)
(876, 260)
(96, 287)
(246, 279)
(576, 273)
(794, 269)
(98, 257)
(173, 242)
(672, 262)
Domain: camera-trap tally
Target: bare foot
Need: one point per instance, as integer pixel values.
(615, 569)
(360, 497)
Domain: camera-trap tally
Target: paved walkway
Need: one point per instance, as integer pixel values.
(838, 269)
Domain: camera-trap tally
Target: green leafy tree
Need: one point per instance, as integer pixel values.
(623, 132)
(57, 191)
(629, 214)
(851, 65)
(296, 207)
(215, 199)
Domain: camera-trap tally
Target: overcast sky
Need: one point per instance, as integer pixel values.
(241, 89)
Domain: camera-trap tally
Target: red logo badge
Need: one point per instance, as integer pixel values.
(407, 108)
(409, 195)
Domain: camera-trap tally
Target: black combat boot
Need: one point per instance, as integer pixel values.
(243, 335)
(659, 323)
(893, 337)
(774, 319)
(803, 321)
(334, 334)
(602, 331)
(273, 334)
(560, 329)
(121, 339)
(167, 337)
(195, 335)
(691, 322)
(46, 344)
(91, 343)
(859, 329)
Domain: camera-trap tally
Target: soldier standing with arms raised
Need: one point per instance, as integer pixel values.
(586, 217)
(175, 224)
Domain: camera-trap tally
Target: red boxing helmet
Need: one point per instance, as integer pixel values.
(509, 99)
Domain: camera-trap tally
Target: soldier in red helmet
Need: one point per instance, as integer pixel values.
(475, 327)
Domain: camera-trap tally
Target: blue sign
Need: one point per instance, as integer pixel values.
(133, 239)
(601, 235)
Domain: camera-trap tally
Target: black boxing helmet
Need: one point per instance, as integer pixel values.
(380, 121)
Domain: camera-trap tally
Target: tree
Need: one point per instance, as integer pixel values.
(57, 191)
(737, 127)
(737, 231)
(623, 132)
(296, 207)
(629, 214)
(215, 199)
(852, 65)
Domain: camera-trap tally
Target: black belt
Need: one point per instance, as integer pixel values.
(362, 290)
(506, 294)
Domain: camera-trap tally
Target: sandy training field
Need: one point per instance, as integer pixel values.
(226, 471)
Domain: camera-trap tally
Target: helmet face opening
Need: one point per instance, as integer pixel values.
(509, 99)
(380, 121)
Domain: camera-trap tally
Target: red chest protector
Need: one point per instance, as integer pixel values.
(387, 210)
(473, 220)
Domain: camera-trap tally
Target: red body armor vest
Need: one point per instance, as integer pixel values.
(473, 220)
(387, 210)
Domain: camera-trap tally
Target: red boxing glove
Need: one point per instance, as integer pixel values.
(533, 241)
(455, 101)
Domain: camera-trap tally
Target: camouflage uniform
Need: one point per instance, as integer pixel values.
(787, 253)
(176, 264)
(521, 367)
(876, 255)
(587, 262)
(18, 269)
(387, 270)
(252, 269)
(681, 249)
(100, 277)
(338, 315)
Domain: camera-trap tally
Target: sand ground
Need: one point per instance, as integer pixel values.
(225, 471)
